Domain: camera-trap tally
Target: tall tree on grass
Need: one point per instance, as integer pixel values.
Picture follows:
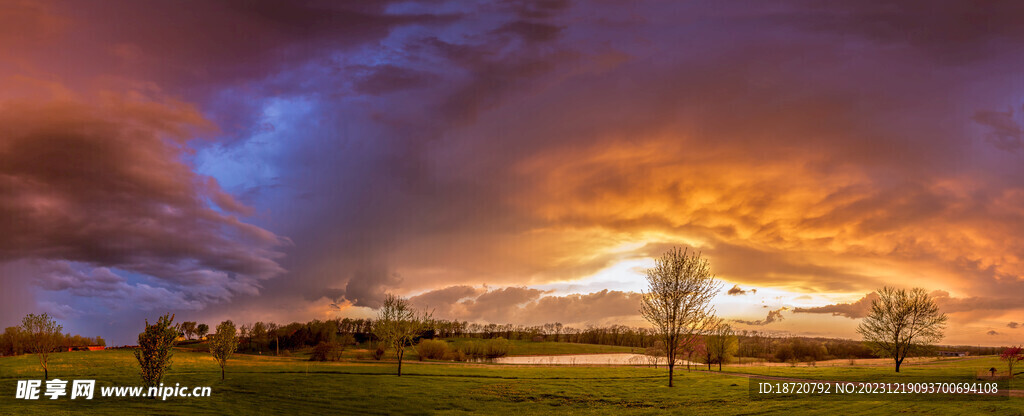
(677, 301)
(154, 352)
(398, 324)
(43, 336)
(902, 323)
(223, 344)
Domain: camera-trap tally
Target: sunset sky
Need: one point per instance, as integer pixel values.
(518, 161)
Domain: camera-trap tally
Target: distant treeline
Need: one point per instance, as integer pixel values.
(15, 341)
(262, 337)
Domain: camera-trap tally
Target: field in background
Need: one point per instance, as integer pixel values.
(283, 385)
(518, 347)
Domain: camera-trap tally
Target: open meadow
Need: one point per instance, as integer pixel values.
(289, 385)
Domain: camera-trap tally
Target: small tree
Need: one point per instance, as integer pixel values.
(273, 330)
(188, 329)
(398, 324)
(1012, 355)
(154, 352)
(901, 323)
(13, 341)
(223, 344)
(678, 300)
(654, 353)
(721, 344)
(258, 334)
(202, 330)
(43, 336)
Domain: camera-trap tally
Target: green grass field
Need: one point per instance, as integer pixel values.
(277, 385)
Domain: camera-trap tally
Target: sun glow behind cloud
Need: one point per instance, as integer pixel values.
(533, 156)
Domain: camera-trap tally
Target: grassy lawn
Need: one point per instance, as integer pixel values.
(271, 385)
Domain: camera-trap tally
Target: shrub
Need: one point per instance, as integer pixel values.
(326, 351)
(472, 349)
(497, 347)
(456, 355)
(345, 340)
(378, 353)
(492, 348)
(432, 349)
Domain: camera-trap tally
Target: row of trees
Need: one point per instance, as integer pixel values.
(190, 329)
(157, 341)
(16, 340)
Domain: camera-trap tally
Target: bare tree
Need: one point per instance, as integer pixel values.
(398, 324)
(43, 336)
(677, 302)
(901, 323)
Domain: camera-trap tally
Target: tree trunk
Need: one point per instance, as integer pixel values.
(898, 362)
(671, 366)
(400, 364)
(277, 346)
(222, 373)
(46, 374)
(719, 366)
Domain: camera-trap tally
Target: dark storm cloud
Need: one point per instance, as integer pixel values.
(389, 78)
(101, 283)
(947, 304)
(773, 316)
(203, 43)
(104, 185)
(949, 31)
(527, 306)
(1005, 132)
(855, 310)
(736, 291)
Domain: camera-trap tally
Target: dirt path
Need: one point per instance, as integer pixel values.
(1012, 393)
